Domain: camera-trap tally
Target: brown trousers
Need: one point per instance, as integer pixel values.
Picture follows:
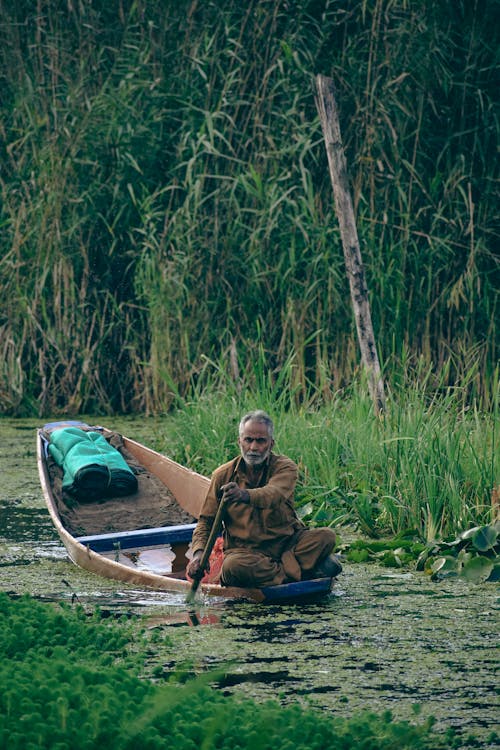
(250, 568)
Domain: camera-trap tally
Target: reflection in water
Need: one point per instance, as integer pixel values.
(381, 641)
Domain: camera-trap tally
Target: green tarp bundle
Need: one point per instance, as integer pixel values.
(92, 468)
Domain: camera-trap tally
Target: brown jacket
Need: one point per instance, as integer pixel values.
(268, 521)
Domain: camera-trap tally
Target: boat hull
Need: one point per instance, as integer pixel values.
(112, 555)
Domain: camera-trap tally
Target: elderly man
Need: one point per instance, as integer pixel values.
(265, 543)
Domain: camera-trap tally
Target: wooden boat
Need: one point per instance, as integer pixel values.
(144, 539)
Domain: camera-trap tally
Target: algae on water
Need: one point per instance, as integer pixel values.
(385, 639)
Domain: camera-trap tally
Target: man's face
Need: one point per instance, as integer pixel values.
(255, 443)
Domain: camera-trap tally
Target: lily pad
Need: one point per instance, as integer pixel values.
(463, 557)
(444, 566)
(477, 569)
(469, 533)
(485, 538)
(494, 576)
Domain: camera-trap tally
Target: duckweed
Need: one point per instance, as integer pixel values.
(402, 551)
(67, 685)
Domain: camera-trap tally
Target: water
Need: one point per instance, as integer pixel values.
(382, 641)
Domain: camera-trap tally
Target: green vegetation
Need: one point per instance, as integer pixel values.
(68, 684)
(166, 207)
(428, 467)
(474, 555)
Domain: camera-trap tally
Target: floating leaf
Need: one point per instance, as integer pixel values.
(477, 569)
(463, 557)
(305, 510)
(358, 555)
(469, 533)
(494, 576)
(461, 539)
(422, 559)
(485, 538)
(443, 566)
(438, 564)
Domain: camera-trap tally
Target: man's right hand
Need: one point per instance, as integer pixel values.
(193, 568)
(233, 494)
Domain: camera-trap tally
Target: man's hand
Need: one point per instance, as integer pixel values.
(193, 569)
(234, 494)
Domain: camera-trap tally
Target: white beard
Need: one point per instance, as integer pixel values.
(255, 459)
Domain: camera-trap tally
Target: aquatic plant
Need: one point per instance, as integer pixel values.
(78, 695)
(473, 555)
(166, 202)
(430, 465)
(398, 552)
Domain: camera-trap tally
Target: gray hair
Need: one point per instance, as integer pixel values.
(258, 416)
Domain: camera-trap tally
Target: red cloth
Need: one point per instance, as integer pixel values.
(216, 559)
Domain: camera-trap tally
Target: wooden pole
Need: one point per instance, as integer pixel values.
(214, 533)
(328, 113)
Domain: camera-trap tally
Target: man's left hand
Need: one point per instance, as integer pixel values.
(234, 494)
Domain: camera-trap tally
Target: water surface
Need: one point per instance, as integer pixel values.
(381, 641)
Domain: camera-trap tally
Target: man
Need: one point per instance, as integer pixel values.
(265, 543)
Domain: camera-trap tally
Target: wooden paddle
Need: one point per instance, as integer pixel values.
(214, 533)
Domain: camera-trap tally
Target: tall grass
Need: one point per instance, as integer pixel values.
(429, 465)
(166, 200)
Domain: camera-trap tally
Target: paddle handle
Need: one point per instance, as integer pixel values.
(214, 533)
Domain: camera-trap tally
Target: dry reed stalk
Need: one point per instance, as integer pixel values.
(495, 504)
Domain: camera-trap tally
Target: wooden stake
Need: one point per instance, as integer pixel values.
(214, 533)
(328, 113)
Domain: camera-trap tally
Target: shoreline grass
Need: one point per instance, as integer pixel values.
(430, 464)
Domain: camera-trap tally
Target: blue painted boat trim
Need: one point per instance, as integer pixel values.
(138, 538)
(298, 590)
(182, 534)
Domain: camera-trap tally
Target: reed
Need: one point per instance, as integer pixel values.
(429, 465)
(166, 200)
